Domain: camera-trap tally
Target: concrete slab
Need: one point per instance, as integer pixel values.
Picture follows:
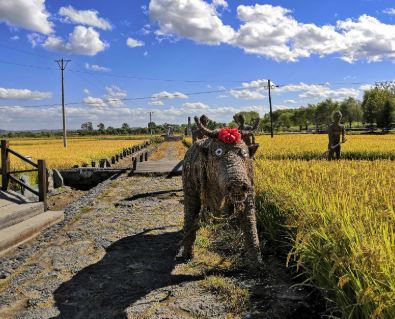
(21, 232)
(159, 167)
(10, 197)
(15, 213)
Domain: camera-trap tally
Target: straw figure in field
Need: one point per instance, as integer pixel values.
(198, 134)
(218, 175)
(336, 130)
(243, 127)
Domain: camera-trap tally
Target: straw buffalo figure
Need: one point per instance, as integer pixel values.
(218, 174)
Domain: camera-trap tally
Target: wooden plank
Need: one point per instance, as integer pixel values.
(22, 157)
(16, 234)
(28, 187)
(42, 183)
(5, 163)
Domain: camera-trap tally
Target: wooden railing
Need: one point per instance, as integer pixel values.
(7, 173)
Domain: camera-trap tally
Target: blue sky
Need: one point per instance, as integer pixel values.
(299, 45)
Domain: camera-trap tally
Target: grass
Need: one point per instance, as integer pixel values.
(236, 299)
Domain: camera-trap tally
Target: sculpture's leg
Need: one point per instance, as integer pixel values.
(191, 224)
(338, 152)
(330, 154)
(248, 224)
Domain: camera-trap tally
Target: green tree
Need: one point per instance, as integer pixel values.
(101, 126)
(387, 115)
(324, 111)
(250, 117)
(351, 110)
(10, 134)
(87, 126)
(285, 119)
(212, 125)
(125, 126)
(233, 125)
(373, 104)
(299, 117)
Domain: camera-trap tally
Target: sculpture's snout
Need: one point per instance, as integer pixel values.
(238, 190)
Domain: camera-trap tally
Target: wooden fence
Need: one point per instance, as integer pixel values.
(7, 173)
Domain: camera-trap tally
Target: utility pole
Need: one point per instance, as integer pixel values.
(271, 113)
(62, 67)
(150, 122)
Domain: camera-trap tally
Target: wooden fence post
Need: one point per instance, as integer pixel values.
(5, 163)
(42, 183)
(134, 163)
(146, 156)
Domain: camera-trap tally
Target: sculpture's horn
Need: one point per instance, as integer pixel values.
(255, 129)
(206, 131)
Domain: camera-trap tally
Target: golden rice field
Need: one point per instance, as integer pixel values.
(302, 146)
(340, 218)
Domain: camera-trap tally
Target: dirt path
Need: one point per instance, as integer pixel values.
(114, 257)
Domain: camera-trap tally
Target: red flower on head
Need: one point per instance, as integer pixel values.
(229, 135)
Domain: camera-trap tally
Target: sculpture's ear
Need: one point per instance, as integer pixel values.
(253, 148)
(202, 148)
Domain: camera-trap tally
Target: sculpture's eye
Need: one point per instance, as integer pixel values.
(244, 153)
(219, 152)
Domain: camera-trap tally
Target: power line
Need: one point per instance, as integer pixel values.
(95, 85)
(186, 94)
(165, 80)
(42, 56)
(189, 81)
(29, 66)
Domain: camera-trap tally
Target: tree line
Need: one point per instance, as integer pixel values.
(376, 110)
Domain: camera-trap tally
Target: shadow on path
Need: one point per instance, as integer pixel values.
(131, 268)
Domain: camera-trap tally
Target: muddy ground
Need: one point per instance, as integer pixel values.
(114, 256)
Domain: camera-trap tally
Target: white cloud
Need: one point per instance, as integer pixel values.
(389, 11)
(145, 53)
(23, 94)
(366, 87)
(167, 95)
(14, 38)
(247, 95)
(192, 19)
(35, 39)
(87, 91)
(222, 96)
(96, 67)
(290, 101)
(83, 41)
(156, 103)
(297, 87)
(87, 17)
(134, 43)
(195, 106)
(272, 32)
(259, 85)
(94, 102)
(209, 86)
(114, 96)
(28, 14)
(325, 93)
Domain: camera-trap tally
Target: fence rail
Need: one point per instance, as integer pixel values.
(6, 172)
